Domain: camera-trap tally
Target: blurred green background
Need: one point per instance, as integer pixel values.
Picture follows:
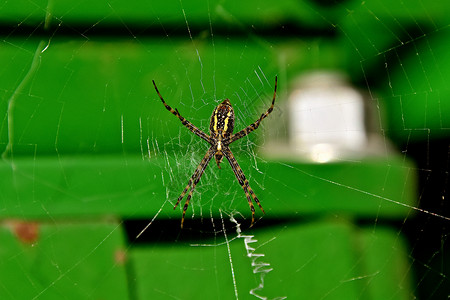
(90, 156)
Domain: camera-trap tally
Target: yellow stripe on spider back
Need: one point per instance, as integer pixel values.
(225, 127)
(215, 120)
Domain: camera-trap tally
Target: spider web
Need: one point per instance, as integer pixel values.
(92, 161)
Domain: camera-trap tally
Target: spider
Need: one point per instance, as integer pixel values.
(221, 136)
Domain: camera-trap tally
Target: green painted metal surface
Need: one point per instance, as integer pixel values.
(69, 260)
(323, 259)
(133, 187)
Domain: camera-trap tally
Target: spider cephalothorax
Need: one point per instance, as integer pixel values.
(221, 136)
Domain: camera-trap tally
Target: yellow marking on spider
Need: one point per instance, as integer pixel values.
(215, 120)
(219, 146)
(225, 127)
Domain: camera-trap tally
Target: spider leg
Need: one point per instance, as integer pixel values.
(242, 181)
(255, 125)
(186, 204)
(185, 122)
(193, 182)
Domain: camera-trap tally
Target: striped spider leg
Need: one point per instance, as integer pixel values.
(221, 136)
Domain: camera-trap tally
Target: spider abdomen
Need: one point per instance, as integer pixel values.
(222, 120)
